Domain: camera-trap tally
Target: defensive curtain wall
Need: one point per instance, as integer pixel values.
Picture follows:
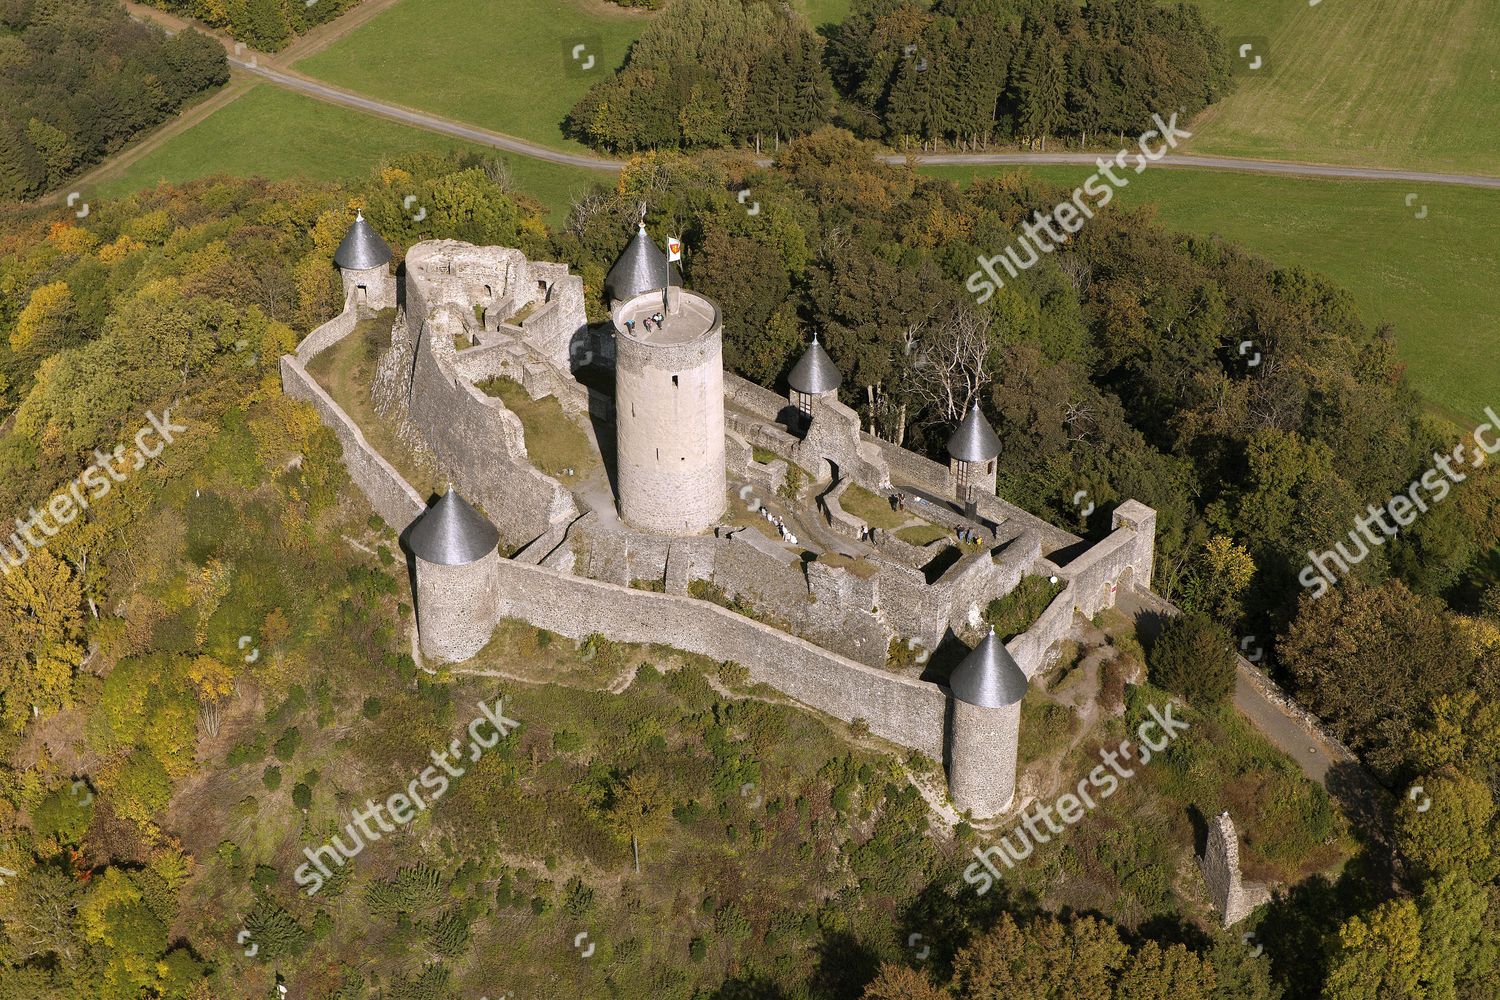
(467, 429)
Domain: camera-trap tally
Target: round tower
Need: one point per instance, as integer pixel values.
(972, 453)
(986, 724)
(669, 396)
(364, 260)
(813, 376)
(455, 552)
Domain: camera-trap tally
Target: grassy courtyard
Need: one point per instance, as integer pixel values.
(1435, 278)
(277, 134)
(1394, 83)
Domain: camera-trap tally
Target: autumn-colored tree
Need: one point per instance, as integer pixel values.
(897, 982)
(40, 620)
(44, 321)
(1380, 956)
(213, 683)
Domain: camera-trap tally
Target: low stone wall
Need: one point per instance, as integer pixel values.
(1031, 647)
(908, 712)
(1096, 574)
(328, 334)
(752, 398)
(391, 496)
(844, 523)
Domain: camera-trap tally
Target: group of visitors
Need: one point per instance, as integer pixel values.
(786, 536)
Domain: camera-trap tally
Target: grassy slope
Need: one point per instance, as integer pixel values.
(275, 133)
(1435, 278)
(1399, 83)
(504, 67)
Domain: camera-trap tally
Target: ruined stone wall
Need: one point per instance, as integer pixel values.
(908, 712)
(1031, 648)
(391, 496)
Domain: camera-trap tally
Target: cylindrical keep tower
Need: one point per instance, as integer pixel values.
(669, 411)
(986, 726)
(456, 557)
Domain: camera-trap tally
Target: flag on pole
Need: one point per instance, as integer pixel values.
(674, 248)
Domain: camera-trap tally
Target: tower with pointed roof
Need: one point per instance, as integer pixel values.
(973, 451)
(364, 261)
(455, 552)
(985, 728)
(669, 396)
(812, 377)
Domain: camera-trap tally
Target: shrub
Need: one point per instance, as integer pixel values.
(286, 746)
(301, 796)
(371, 707)
(271, 777)
(1194, 657)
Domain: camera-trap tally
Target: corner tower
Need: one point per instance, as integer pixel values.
(364, 261)
(455, 552)
(986, 726)
(669, 396)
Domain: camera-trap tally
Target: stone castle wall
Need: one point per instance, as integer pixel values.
(397, 503)
(908, 712)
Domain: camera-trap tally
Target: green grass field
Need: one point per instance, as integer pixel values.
(1394, 83)
(1435, 278)
(277, 134)
(505, 67)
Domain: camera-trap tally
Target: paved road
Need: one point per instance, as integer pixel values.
(511, 144)
(1312, 754)
(1193, 162)
(421, 119)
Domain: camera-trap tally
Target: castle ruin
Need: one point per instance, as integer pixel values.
(707, 486)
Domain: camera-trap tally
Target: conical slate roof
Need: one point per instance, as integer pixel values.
(989, 676)
(451, 533)
(641, 267)
(362, 248)
(814, 372)
(974, 440)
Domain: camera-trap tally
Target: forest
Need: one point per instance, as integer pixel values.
(267, 25)
(966, 73)
(150, 759)
(79, 79)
